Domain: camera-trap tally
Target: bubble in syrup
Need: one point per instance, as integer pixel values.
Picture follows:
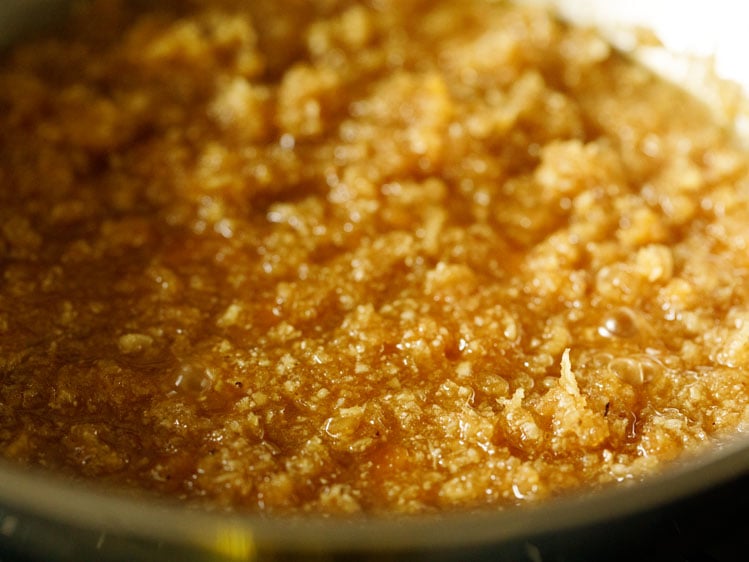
(622, 323)
(628, 369)
(635, 370)
(194, 378)
(651, 369)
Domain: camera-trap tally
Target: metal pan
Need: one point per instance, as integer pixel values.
(46, 517)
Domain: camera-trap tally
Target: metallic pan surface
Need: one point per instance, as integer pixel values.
(45, 517)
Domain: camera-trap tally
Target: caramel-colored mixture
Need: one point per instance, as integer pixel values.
(383, 257)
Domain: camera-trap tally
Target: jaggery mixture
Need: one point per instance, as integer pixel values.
(383, 257)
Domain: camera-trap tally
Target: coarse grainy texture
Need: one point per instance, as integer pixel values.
(386, 257)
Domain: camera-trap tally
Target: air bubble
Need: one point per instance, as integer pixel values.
(620, 324)
(650, 370)
(629, 370)
(194, 378)
(635, 371)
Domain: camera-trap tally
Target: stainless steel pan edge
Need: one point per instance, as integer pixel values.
(39, 512)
